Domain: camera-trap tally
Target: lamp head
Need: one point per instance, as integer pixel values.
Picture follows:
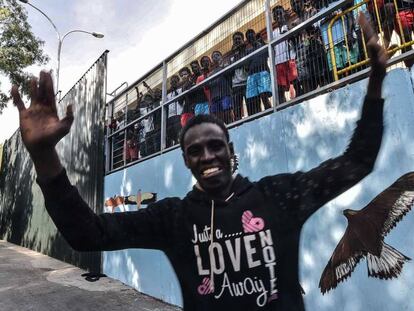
(95, 34)
(24, 1)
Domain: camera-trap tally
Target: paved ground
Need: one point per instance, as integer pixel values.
(35, 282)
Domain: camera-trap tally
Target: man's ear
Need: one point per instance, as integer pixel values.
(231, 147)
(185, 159)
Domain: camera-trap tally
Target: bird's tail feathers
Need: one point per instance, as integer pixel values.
(388, 265)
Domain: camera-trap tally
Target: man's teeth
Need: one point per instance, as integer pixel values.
(210, 170)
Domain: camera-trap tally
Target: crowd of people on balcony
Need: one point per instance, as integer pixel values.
(226, 94)
(303, 63)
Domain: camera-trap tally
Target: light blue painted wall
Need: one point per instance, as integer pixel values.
(297, 138)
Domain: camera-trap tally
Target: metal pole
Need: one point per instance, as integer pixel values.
(126, 110)
(271, 51)
(96, 35)
(44, 14)
(163, 100)
(112, 139)
(58, 37)
(60, 40)
(110, 112)
(125, 128)
(107, 140)
(58, 69)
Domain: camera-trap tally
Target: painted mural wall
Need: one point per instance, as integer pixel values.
(297, 138)
(23, 218)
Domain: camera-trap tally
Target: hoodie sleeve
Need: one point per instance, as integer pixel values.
(86, 231)
(304, 192)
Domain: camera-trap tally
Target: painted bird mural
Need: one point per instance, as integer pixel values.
(364, 236)
(140, 198)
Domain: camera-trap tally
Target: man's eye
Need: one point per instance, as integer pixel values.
(216, 146)
(193, 151)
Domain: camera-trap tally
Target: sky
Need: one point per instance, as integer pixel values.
(138, 33)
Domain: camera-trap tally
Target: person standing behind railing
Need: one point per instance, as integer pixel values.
(131, 146)
(286, 70)
(239, 79)
(148, 126)
(139, 111)
(111, 125)
(151, 123)
(391, 14)
(220, 90)
(198, 95)
(174, 111)
(345, 47)
(383, 18)
(186, 84)
(259, 85)
(205, 63)
(155, 99)
(354, 32)
(406, 17)
(310, 55)
(119, 140)
(394, 15)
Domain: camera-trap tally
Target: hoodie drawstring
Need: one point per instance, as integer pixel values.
(210, 249)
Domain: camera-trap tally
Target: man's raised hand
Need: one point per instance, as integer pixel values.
(377, 54)
(378, 58)
(40, 126)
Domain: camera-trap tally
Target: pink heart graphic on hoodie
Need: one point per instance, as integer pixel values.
(250, 223)
(205, 288)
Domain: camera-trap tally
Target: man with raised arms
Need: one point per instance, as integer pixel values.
(233, 243)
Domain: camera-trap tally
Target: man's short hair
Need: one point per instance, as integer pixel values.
(250, 31)
(186, 69)
(199, 119)
(205, 57)
(216, 52)
(176, 77)
(238, 33)
(278, 8)
(195, 62)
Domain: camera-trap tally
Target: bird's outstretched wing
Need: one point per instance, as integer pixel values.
(110, 202)
(131, 199)
(388, 265)
(141, 198)
(343, 261)
(148, 197)
(391, 205)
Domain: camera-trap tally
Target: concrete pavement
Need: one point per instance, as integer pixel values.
(35, 282)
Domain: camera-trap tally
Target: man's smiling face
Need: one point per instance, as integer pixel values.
(207, 154)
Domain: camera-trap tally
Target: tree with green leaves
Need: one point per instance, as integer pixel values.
(19, 48)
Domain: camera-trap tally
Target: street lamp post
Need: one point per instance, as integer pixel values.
(60, 40)
(95, 34)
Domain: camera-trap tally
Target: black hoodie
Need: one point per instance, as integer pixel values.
(239, 254)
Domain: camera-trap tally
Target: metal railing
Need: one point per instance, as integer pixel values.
(379, 21)
(279, 65)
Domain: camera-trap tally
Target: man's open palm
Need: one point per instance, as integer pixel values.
(40, 126)
(377, 54)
